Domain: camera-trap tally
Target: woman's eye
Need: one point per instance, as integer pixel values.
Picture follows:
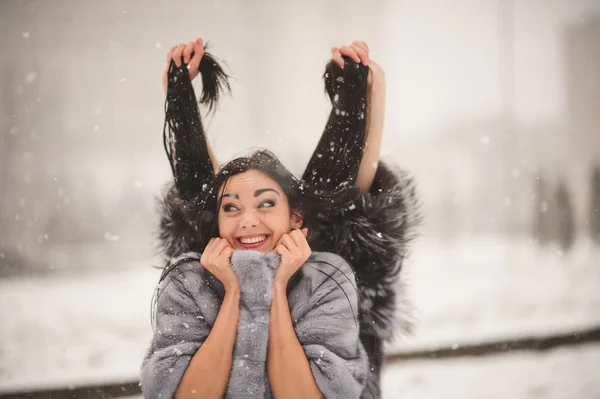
(229, 208)
(266, 204)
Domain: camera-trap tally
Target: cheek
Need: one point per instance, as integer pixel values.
(278, 223)
(227, 229)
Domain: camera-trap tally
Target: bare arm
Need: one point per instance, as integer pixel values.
(375, 118)
(208, 372)
(288, 369)
(213, 159)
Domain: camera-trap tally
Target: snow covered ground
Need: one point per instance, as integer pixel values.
(564, 373)
(481, 289)
(561, 374)
(59, 330)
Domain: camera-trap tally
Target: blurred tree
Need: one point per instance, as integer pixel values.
(594, 217)
(7, 141)
(565, 223)
(543, 230)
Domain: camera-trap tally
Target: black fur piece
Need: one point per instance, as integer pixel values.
(335, 162)
(178, 227)
(373, 234)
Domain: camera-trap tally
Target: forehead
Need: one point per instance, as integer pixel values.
(249, 181)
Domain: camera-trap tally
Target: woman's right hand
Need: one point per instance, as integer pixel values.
(216, 258)
(190, 54)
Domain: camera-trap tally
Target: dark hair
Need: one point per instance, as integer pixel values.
(303, 198)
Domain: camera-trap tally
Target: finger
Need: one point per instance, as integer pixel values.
(169, 57)
(364, 56)
(336, 56)
(283, 251)
(165, 75)
(227, 252)
(298, 238)
(187, 52)
(210, 248)
(291, 246)
(197, 56)
(288, 241)
(177, 53)
(361, 44)
(345, 50)
(304, 247)
(207, 250)
(280, 240)
(220, 246)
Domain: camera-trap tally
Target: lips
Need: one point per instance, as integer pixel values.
(252, 241)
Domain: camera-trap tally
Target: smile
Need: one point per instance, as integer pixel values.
(252, 242)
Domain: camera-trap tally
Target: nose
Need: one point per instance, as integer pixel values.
(249, 220)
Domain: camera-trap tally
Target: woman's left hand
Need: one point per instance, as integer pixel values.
(294, 251)
(359, 52)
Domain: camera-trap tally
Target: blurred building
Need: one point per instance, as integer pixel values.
(582, 97)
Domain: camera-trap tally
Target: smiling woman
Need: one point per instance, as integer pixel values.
(254, 219)
(260, 294)
(258, 201)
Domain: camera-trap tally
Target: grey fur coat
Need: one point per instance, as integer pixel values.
(323, 302)
(373, 235)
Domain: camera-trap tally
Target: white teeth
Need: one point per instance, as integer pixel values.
(253, 240)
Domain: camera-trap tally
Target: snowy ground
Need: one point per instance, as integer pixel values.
(560, 374)
(482, 289)
(564, 373)
(59, 330)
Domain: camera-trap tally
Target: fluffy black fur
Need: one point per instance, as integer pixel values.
(373, 234)
(335, 162)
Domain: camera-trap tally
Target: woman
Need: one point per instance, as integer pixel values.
(371, 233)
(224, 319)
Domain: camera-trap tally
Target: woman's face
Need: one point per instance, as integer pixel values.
(254, 212)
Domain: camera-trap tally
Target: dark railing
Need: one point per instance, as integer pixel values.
(501, 346)
(131, 388)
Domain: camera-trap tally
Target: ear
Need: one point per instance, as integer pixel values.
(296, 221)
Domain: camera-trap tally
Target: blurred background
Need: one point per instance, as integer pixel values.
(493, 106)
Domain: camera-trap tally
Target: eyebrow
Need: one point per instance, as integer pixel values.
(256, 193)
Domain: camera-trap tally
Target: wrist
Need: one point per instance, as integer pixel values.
(232, 287)
(280, 282)
(279, 289)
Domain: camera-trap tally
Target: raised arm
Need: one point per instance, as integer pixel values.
(192, 160)
(375, 118)
(348, 151)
